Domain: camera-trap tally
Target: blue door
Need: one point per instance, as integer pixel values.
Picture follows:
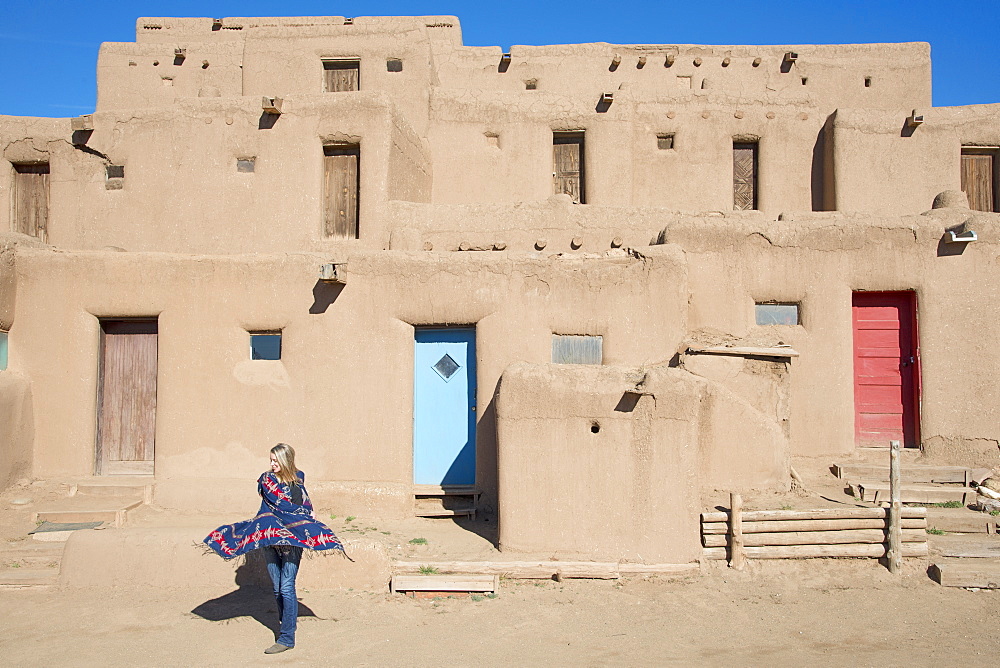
(444, 407)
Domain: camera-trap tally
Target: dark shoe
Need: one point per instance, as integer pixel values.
(276, 648)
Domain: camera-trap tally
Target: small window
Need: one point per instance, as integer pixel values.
(114, 177)
(245, 165)
(744, 176)
(665, 141)
(393, 65)
(341, 75)
(770, 313)
(531, 84)
(568, 174)
(868, 82)
(805, 80)
(3, 350)
(265, 345)
(576, 349)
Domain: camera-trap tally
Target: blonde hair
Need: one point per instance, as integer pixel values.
(285, 454)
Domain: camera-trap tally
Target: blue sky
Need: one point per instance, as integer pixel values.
(50, 47)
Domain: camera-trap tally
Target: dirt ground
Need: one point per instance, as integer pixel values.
(838, 613)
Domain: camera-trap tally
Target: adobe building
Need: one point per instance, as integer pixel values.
(572, 287)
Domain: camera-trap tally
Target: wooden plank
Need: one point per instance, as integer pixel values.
(341, 165)
(31, 199)
(737, 557)
(961, 520)
(745, 351)
(972, 551)
(853, 513)
(908, 474)
(567, 165)
(815, 551)
(977, 573)
(627, 569)
(445, 490)
(744, 176)
(878, 492)
(485, 583)
(841, 537)
(778, 526)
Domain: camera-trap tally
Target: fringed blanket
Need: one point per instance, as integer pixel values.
(279, 521)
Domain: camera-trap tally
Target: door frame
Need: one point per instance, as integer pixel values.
(473, 398)
(911, 301)
(98, 461)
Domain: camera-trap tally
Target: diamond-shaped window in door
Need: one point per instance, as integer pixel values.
(446, 367)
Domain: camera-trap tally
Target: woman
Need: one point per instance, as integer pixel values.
(284, 525)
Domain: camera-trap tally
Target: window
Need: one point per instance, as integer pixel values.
(341, 178)
(3, 350)
(568, 175)
(265, 345)
(393, 65)
(341, 75)
(114, 177)
(744, 176)
(31, 199)
(246, 165)
(576, 349)
(979, 177)
(773, 313)
(664, 141)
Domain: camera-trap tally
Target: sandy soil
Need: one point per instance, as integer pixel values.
(841, 613)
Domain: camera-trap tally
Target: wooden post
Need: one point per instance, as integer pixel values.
(895, 552)
(737, 556)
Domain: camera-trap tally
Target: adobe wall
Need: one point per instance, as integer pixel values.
(884, 167)
(591, 469)
(818, 260)
(16, 428)
(342, 393)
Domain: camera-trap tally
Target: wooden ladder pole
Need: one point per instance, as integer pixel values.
(737, 555)
(895, 552)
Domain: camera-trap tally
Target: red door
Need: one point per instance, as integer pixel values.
(886, 378)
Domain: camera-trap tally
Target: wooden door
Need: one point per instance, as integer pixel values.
(444, 407)
(567, 165)
(126, 420)
(31, 199)
(341, 196)
(340, 75)
(744, 176)
(979, 178)
(886, 369)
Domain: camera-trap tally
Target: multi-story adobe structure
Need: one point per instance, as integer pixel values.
(575, 285)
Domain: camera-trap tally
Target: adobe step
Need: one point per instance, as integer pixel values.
(113, 510)
(30, 564)
(444, 506)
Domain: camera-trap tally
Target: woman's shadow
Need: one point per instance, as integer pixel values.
(253, 598)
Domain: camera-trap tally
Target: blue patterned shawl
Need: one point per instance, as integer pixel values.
(278, 522)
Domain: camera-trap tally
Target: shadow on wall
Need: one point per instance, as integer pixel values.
(324, 294)
(253, 598)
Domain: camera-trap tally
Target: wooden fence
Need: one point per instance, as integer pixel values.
(796, 534)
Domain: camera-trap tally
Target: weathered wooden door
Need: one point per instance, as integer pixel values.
(979, 178)
(567, 165)
(886, 375)
(444, 407)
(340, 75)
(744, 176)
(31, 199)
(126, 420)
(341, 190)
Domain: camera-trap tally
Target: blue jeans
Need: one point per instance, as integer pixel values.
(283, 566)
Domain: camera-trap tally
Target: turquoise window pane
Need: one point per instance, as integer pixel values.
(265, 346)
(3, 350)
(777, 314)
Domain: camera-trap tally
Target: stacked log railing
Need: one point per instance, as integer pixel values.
(797, 534)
